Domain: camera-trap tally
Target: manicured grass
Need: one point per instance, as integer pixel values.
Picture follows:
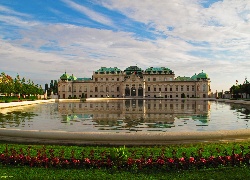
(23, 172)
(7, 99)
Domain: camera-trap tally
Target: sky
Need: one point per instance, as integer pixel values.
(41, 39)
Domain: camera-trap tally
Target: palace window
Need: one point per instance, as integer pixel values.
(148, 88)
(181, 88)
(187, 88)
(192, 88)
(154, 79)
(176, 88)
(166, 89)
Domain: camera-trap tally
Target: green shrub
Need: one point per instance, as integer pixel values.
(7, 101)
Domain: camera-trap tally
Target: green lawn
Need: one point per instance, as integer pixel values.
(22, 172)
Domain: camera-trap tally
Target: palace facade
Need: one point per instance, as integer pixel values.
(134, 82)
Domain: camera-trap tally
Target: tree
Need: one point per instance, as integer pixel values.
(17, 85)
(7, 84)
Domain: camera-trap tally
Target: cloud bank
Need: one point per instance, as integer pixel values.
(187, 36)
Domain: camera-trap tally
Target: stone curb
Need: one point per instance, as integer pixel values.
(124, 138)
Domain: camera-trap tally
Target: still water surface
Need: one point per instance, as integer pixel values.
(129, 116)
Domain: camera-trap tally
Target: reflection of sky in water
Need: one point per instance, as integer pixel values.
(128, 116)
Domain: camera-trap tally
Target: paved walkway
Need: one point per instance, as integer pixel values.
(24, 103)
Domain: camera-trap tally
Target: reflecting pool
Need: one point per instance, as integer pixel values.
(129, 116)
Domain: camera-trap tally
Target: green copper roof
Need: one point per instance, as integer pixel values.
(133, 69)
(65, 76)
(106, 70)
(84, 79)
(194, 77)
(154, 70)
(202, 75)
(179, 78)
(72, 78)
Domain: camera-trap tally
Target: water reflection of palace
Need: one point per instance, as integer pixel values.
(163, 111)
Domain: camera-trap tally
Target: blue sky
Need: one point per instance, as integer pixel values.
(39, 40)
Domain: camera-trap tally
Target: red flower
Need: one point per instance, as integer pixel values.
(203, 160)
(170, 160)
(149, 161)
(130, 161)
(191, 160)
(228, 158)
(160, 161)
(182, 159)
(87, 160)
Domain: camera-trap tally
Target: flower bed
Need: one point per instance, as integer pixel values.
(121, 158)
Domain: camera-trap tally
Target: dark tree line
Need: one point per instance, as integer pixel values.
(52, 88)
(238, 90)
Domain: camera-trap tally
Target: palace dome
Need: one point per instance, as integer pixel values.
(194, 77)
(73, 78)
(202, 75)
(65, 76)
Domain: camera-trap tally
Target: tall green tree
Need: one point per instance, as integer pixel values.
(7, 84)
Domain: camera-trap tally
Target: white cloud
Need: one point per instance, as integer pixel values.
(16, 21)
(4, 9)
(220, 22)
(90, 13)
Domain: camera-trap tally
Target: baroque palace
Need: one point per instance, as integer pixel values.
(134, 82)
